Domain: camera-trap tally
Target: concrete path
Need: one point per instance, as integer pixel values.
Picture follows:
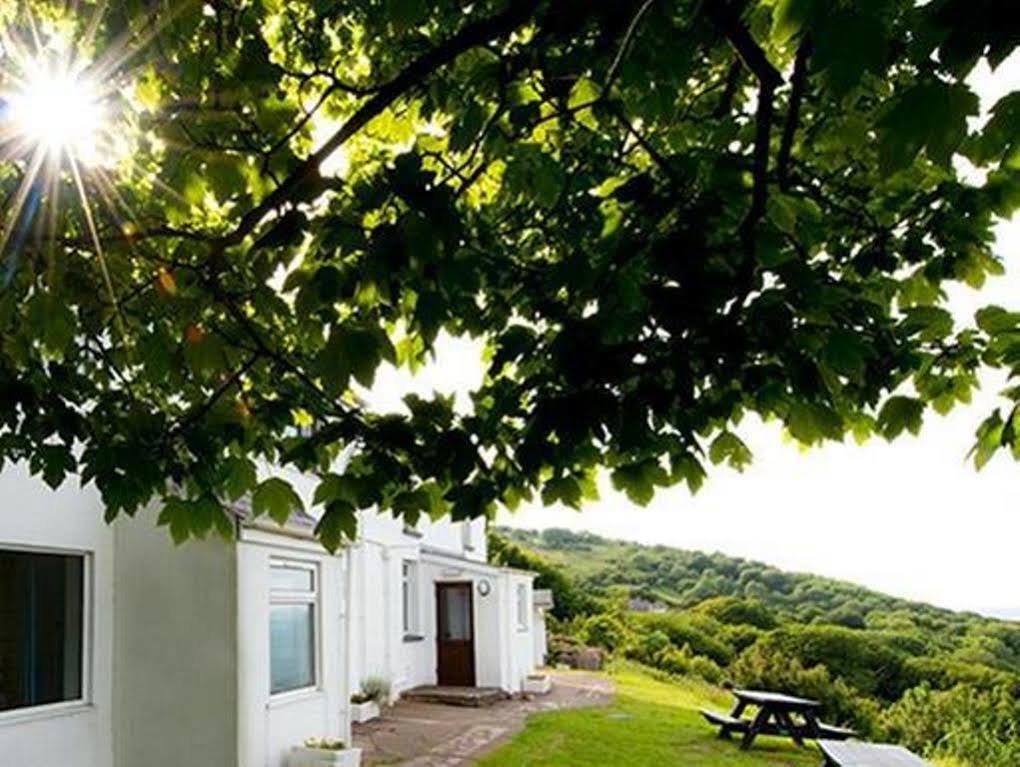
(434, 735)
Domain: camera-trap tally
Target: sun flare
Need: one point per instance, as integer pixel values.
(59, 111)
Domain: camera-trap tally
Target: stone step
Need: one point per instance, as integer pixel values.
(473, 697)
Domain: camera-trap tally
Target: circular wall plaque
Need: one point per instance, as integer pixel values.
(484, 587)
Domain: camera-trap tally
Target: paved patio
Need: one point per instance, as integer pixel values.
(435, 735)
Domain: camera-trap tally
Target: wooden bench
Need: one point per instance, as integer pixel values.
(726, 723)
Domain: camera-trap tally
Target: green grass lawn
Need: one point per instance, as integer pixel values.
(652, 723)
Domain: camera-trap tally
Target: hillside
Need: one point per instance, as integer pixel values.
(681, 579)
(944, 683)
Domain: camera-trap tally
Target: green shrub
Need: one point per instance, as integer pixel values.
(738, 612)
(764, 668)
(700, 633)
(978, 727)
(605, 631)
(863, 659)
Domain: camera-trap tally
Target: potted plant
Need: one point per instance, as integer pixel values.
(365, 703)
(324, 752)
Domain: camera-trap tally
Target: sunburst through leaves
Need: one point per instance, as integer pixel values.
(62, 124)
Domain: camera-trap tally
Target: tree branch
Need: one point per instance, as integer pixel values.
(732, 83)
(474, 34)
(799, 81)
(628, 38)
(743, 43)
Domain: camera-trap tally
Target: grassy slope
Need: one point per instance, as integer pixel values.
(652, 723)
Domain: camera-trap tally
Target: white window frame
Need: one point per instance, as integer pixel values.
(85, 700)
(410, 599)
(279, 596)
(523, 618)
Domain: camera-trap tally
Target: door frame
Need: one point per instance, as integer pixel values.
(470, 587)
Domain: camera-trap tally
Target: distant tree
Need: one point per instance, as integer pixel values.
(736, 611)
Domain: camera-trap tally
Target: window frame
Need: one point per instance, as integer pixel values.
(285, 597)
(85, 700)
(410, 590)
(523, 617)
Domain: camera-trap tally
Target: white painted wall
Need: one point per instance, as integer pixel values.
(69, 520)
(176, 642)
(268, 726)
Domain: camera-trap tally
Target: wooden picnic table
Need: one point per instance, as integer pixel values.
(778, 714)
(853, 754)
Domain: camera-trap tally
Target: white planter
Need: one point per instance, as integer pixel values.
(302, 756)
(537, 685)
(364, 712)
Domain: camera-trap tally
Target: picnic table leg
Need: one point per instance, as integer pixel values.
(811, 728)
(792, 729)
(724, 730)
(759, 721)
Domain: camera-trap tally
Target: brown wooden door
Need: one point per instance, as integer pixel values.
(455, 635)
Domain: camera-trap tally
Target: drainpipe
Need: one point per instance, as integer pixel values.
(348, 607)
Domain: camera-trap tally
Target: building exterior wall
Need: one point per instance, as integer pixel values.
(269, 725)
(442, 551)
(176, 671)
(69, 520)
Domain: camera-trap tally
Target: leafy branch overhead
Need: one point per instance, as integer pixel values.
(659, 216)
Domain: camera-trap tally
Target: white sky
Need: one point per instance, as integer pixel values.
(910, 518)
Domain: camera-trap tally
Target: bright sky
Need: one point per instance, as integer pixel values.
(910, 518)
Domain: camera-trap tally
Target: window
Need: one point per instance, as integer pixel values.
(466, 536)
(409, 593)
(42, 598)
(522, 607)
(293, 590)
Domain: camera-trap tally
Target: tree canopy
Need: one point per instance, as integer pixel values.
(659, 216)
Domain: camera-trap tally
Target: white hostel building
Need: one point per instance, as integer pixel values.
(118, 649)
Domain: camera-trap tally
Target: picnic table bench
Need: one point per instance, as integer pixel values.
(853, 754)
(778, 714)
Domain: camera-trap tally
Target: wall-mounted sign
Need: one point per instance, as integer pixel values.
(484, 587)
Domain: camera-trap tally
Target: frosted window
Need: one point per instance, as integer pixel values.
(292, 647)
(293, 632)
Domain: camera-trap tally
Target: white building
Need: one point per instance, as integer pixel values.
(118, 649)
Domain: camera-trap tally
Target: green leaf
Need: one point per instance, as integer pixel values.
(729, 448)
(790, 17)
(354, 349)
(848, 43)
(276, 498)
(903, 132)
(638, 480)
(989, 439)
(810, 423)
(239, 477)
(847, 354)
(689, 469)
(566, 490)
(52, 322)
(900, 414)
(338, 524)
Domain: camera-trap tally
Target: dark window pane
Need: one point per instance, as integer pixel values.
(40, 628)
(291, 647)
